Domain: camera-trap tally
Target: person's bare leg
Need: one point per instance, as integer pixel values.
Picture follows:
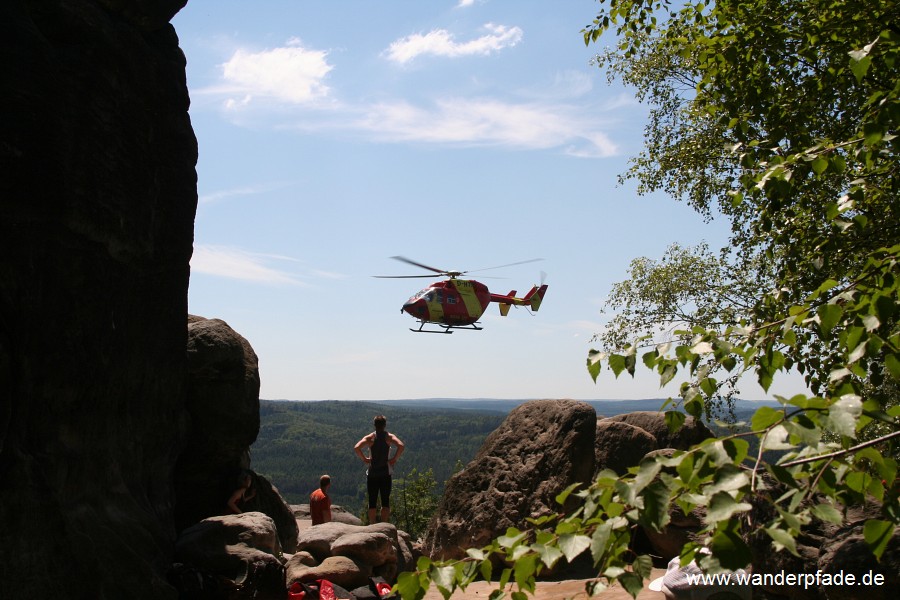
(372, 512)
(385, 514)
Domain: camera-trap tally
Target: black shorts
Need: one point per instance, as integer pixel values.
(379, 485)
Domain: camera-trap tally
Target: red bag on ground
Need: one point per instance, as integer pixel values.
(326, 590)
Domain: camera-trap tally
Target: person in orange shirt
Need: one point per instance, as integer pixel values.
(320, 502)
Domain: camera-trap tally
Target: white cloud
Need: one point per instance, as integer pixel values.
(291, 74)
(234, 263)
(440, 42)
(249, 190)
(489, 122)
(465, 3)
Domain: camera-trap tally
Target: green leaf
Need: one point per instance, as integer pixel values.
(445, 580)
(549, 554)
(667, 374)
(819, 165)
(655, 515)
(632, 582)
(564, 495)
(573, 544)
(783, 539)
(892, 362)
(487, 568)
(674, 420)
(595, 363)
(504, 578)
(860, 67)
(842, 415)
(877, 534)
(873, 133)
(599, 539)
(729, 547)
(737, 449)
(722, 506)
(512, 538)
(728, 478)
(617, 364)
(765, 417)
(643, 566)
(827, 512)
(409, 587)
(525, 569)
(829, 315)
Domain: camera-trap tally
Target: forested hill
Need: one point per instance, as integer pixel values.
(299, 441)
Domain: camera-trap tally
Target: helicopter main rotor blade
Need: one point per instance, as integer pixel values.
(420, 265)
(522, 262)
(407, 276)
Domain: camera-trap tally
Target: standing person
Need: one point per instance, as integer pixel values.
(320, 502)
(381, 466)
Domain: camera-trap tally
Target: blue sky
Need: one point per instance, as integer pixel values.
(462, 134)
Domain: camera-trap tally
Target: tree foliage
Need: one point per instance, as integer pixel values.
(780, 116)
(664, 299)
(415, 501)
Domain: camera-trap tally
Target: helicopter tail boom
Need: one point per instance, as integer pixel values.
(504, 306)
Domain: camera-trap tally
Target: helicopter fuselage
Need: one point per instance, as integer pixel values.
(453, 302)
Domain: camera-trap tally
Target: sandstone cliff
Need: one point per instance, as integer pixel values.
(97, 203)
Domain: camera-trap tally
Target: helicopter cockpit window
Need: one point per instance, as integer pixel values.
(440, 296)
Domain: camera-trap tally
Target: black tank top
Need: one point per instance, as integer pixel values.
(380, 447)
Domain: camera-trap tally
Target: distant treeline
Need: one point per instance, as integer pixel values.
(299, 441)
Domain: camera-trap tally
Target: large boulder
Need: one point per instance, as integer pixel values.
(223, 403)
(97, 197)
(238, 552)
(620, 445)
(342, 570)
(541, 448)
(693, 431)
(349, 554)
(269, 501)
(226, 544)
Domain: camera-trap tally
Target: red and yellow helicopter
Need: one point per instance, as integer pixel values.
(458, 303)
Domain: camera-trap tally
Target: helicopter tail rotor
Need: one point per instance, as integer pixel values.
(535, 296)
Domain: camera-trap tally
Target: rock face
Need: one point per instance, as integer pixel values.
(540, 449)
(621, 445)
(623, 440)
(691, 432)
(349, 554)
(831, 549)
(223, 403)
(226, 544)
(240, 548)
(97, 202)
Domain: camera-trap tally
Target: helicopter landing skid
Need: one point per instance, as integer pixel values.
(445, 328)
